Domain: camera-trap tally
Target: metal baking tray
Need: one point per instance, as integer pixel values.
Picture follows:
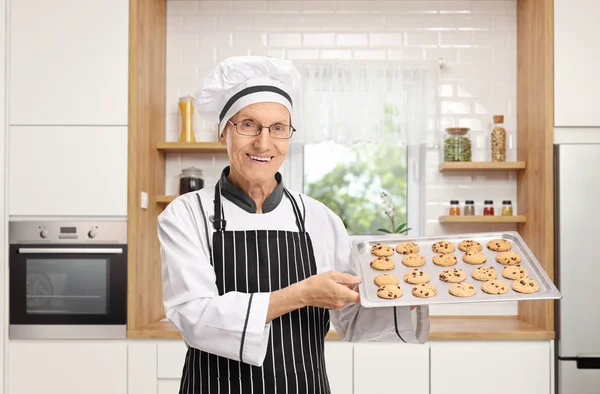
(361, 257)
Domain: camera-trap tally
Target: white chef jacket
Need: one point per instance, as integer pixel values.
(215, 323)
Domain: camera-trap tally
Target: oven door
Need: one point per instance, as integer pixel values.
(65, 285)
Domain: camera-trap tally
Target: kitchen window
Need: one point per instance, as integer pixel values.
(362, 131)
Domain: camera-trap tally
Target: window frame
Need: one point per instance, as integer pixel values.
(293, 175)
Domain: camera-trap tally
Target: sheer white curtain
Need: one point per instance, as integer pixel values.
(352, 101)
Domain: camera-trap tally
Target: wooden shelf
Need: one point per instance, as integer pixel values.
(191, 147)
(165, 199)
(483, 166)
(483, 219)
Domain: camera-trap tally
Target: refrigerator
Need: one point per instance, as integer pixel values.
(577, 268)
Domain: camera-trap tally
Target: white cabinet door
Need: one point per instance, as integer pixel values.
(391, 368)
(168, 386)
(338, 361)
(576, 58)
(68, 62)
(67, 367)
(473, 367)
(64, 171)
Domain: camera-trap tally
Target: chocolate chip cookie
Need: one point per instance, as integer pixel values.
(462, 289)
(469, 245)
(484, 273)
(474, 258)
(444, 260)
(494, 287)
(389, 291)
(382, 250)
(407, 248)
(525, 285)
(383, 264)
(499, 245)
(514, 272)
(508, 258)
(453, 275)
(386, 279)
(424, 290)
(413, 260)
(416, 277)
(443, 247)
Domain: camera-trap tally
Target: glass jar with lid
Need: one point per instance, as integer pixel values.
(454, 208)
(488, 208)
(457, 144)
(469, 208)
(507, 209)
(190, 180)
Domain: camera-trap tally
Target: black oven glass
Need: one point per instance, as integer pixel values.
(67, 286)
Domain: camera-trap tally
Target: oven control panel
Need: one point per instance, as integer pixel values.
(67, 232)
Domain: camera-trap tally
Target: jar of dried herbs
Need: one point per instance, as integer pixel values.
(498, 139)
(457, 145)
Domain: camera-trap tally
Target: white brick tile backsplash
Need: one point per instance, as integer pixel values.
(303, 54)
(286, 40)
(422, 39)
(477, 40)
(351, 40)
(469, 22)
(475, 55)
(456, 38)
(388, 40)
(370, 54)
(318, 39)
(336, 54)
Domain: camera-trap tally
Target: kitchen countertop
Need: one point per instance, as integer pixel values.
(442, 328)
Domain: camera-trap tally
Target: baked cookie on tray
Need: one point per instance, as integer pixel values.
(514, 272)
(462, 289)
(416, 277)
(383, 264)
(525, 285)
(389, 292)
(474, 258)
(382, 250)
(443, 247)
(444, 260)
(484, 273)
(413, 260)
(424, 290)
(386, 279)
(508, 258)
(407, 248)
(453, 275)
(499, 245)
(494, 287)
(469, 245)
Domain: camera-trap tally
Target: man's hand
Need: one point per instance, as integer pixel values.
(331, 290)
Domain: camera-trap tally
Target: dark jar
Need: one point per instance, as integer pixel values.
(488, 208)
(469, 208)
(190, 180)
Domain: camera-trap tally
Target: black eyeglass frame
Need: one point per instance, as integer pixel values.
(292, 129)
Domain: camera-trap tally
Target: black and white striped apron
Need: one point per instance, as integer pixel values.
(264, 261)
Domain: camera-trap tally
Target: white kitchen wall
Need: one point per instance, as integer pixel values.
(476, 39)
(3, 199)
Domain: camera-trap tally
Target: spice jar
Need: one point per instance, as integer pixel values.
(488, 208)
(507, 208)
(190, 180)
(469, 208)
(498, 139)
(186, 107)
(454, 208)
(457, 145)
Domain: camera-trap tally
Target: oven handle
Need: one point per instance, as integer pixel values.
(70, 250)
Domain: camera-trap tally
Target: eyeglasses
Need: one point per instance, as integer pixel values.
(279, 131)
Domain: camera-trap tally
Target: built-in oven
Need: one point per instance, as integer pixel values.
(67, 280)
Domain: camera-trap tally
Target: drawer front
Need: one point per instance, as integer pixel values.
(171, 357)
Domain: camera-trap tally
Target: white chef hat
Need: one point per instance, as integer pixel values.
(243, 80)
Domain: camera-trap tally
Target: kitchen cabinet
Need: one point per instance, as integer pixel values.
(62, 171)
(69, 367)
(499, 367)
(338, 361)
(385, 367)
(576, 56)
(68, 62)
